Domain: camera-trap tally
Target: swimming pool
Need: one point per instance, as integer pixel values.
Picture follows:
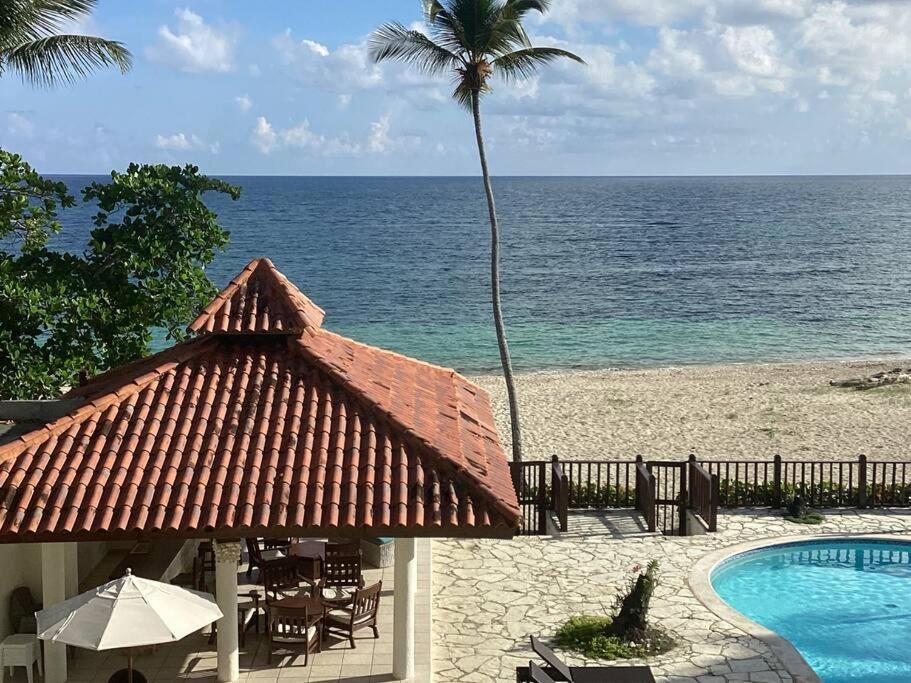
(844, 604)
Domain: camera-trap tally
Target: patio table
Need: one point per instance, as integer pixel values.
(313, 604)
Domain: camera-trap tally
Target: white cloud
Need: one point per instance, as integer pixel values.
(243, 102)
(19, 125)
(301, 136)
(181, 142)
(193, 46)
(263, 136)
(346, 69)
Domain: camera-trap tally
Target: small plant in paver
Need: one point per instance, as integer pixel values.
(626, 635)
(799, 514)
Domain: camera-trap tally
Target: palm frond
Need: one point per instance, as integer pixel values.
(508, 33)
(476, 18)
(525, 63)
(463, 94)
(444, 28)
(395, 41)
(65, 58)
(23, 21)
(525, 6)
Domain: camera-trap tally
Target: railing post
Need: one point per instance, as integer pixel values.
(862, 481)
(638, 491)
(554, 486)
(542, 498)
(776, 482)
(560, 493)
(691, 464)
(682, 502)
(653, 496)
(716, 496)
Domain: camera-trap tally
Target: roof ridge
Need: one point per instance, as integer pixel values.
(492, 500)
(416, 361)
(260, 300)
(223, 296)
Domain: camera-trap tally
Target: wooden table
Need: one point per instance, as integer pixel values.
(313, 604)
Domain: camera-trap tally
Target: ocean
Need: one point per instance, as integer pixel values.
(597, 272)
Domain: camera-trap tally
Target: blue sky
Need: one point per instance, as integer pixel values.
(671, 87)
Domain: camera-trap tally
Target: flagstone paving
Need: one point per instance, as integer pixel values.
(489, 596)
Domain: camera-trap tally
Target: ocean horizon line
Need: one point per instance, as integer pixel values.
(672, 176)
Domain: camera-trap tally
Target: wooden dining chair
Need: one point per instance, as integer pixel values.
(292, 629)
(342, 576)
(360, 614)
(284, 577)
(345, 548)
(261, 551)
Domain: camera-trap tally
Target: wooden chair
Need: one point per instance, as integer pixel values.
(205, 562)
(260, 552)
(361, 613)
(22, 608)
(292, 629)
(342, 576)
(347, 548)
(283, 578)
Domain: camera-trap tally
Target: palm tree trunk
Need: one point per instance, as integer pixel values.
(495, 286)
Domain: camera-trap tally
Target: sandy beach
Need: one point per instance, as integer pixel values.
(734, 411)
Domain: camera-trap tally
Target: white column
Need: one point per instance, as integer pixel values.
(71, 550)
(406, 579)
(53, 589)
(226, 556)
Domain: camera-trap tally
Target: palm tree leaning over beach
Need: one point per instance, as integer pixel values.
(474, 40)
(32, 45)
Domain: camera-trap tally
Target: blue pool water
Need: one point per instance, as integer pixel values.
(845, 605)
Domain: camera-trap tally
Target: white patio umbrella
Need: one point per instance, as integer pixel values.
(127, 613)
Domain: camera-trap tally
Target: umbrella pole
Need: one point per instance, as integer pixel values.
(130, 667)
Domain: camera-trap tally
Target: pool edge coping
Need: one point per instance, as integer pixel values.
(699, 581)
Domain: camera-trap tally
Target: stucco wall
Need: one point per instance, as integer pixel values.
(20, 565)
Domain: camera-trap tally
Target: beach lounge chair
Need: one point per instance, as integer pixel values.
(556, 670)
(537, 674)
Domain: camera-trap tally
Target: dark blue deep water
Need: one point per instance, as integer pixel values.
(598, 272)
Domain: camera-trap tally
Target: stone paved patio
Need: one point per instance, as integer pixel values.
(489, 596)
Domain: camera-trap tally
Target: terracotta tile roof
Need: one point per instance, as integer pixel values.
(260, 299)
(233, 433)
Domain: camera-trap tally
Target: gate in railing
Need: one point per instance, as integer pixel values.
(670, 496)
(658, 490)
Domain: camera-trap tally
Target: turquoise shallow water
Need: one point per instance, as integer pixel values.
(845, 605)
(597, 272)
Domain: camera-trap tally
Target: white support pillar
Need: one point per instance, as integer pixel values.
(227, 554)
(406, 579)
(71, 550)
(53, 589)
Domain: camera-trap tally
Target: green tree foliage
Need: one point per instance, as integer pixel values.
(64, 314)
(31, 42)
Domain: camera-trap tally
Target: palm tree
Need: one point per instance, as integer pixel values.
(473, 40)
(32, 45)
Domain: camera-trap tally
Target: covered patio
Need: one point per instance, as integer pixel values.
(261, 424)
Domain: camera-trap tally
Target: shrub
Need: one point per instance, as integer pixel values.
(627, 634)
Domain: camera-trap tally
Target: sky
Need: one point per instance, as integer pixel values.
(671, 87)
